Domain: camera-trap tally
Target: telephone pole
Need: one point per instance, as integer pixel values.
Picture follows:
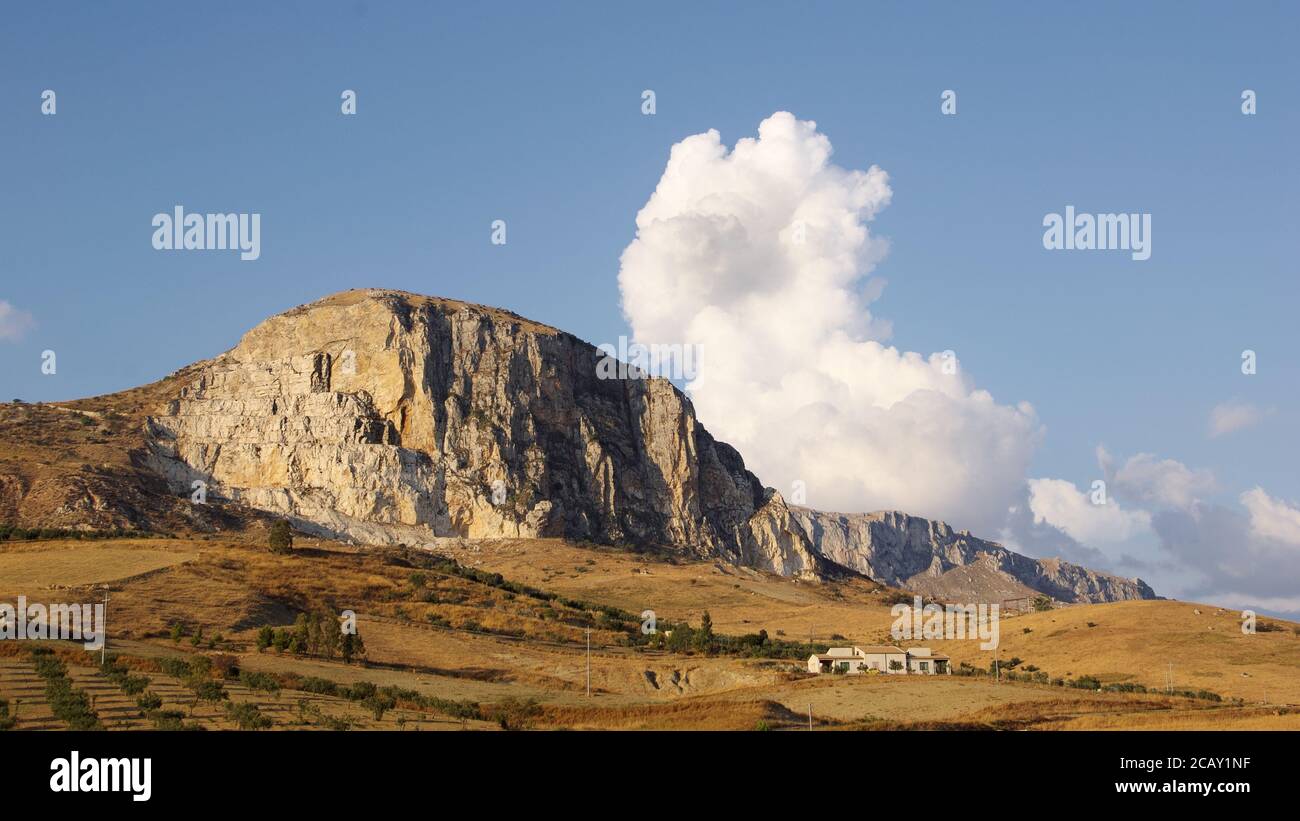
(810, 716)
(103, 628)
(588, 662)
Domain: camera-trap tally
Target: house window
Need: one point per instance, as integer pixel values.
(925, 667)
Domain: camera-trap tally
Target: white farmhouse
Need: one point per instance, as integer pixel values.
(887, 659)
(921, 660)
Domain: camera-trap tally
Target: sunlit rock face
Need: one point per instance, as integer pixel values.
(387, 417)
(383, 416)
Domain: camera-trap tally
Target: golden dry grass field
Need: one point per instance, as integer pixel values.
(456, 635)
(1136, 641)
(34, 567)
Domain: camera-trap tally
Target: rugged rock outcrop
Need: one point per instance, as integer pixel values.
(908, 551)
(389, 417)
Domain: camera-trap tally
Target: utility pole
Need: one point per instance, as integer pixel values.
(810, 716)
(103, 627)
(588, 662)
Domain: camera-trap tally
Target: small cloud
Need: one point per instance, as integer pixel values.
(1151, 481)
(1271, 518)
(1233, 415)
(1062, 505)
(14, 322)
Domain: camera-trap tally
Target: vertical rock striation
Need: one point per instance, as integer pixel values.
(387, 417)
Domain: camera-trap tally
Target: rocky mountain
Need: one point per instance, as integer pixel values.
(930, 557)
(388, 417)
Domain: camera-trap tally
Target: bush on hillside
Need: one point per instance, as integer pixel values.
(281, 539)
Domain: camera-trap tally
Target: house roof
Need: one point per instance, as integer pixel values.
(877, 649)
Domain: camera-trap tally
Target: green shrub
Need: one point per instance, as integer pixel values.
(149, 702)
(200, 667)
(208, 690)
(247, 716)
(360, 691)
(378, 704)
(513, 713)
(171, 720)
(10, 532)
(264, 682)
(175, 667)
(281, 537)
(319, 686)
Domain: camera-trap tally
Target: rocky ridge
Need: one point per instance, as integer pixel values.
(388, 417)
(921, 554)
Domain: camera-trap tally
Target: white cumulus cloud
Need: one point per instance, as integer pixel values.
(1270, 518)
(1059, 503)
(1151, 481)
(14, 322)
(1231, 416)
(761, 256)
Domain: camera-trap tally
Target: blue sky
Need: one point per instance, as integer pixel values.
(532, 115)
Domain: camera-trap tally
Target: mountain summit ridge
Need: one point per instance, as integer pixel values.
(384, 416)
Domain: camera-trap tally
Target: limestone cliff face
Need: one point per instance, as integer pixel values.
(922, 554)
(386, 417)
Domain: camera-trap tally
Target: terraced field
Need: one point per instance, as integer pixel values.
(290, 709)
